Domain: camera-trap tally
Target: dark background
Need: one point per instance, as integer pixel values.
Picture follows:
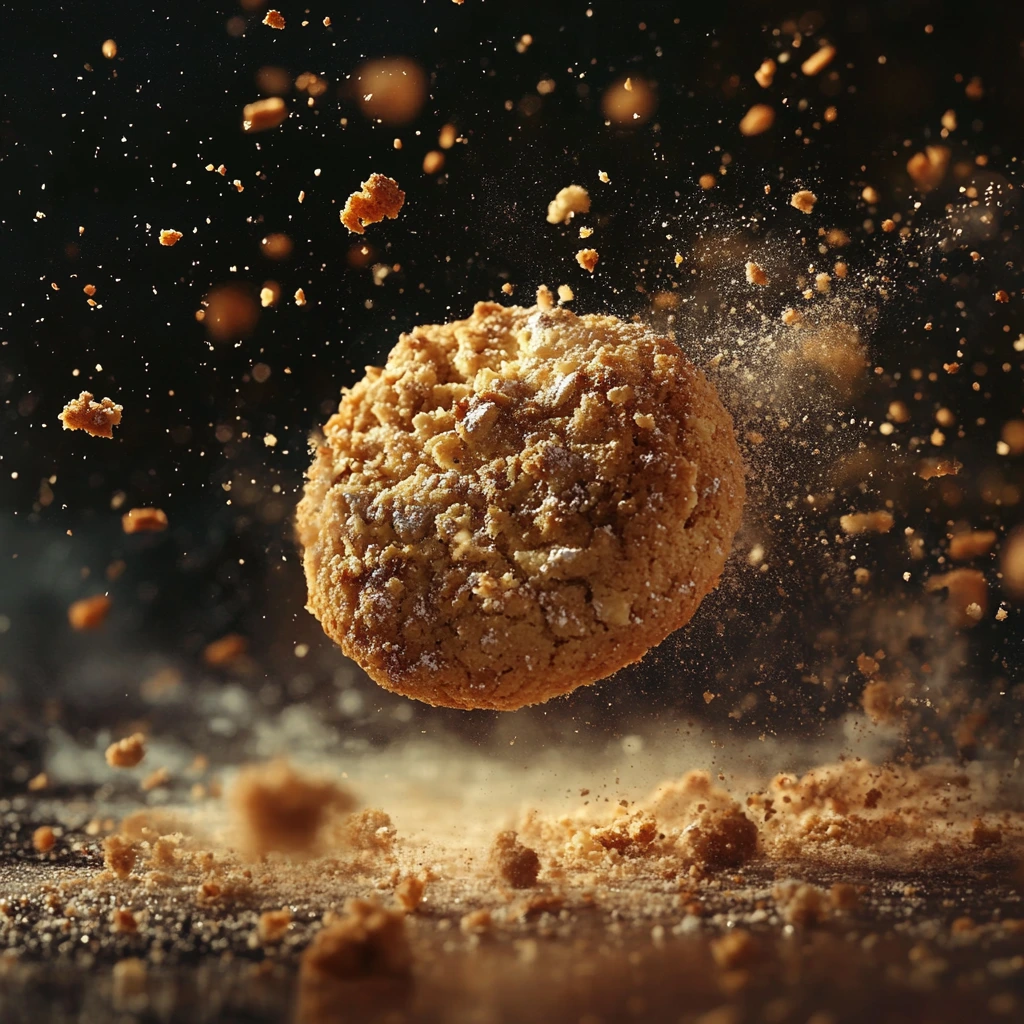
(119, 148)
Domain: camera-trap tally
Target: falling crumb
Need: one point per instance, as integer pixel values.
(264, 114)
(274, 19)
(866, 522)
(823, 283)
(279, 809)
(803, 201)
(678, 258)
(273, 925)
(545, 300)
(476, 922)
(225, 650)
(109, 49)
(1002, 295)
(380, 197)
(96, 418)
(446, 136)
(755, 275)
(168, 236)
(971, 544)
(144, 520)
(44, 839)
(239, 187)
(966, 595)
(587, 259)
(602, 176)
(819, 60)
(929, 469)
(269, 294)
(368, 940)
(879, 701)
(409, 893)
(155, 779)
(567, 203)
(515, 863)
(765, 74)
(123, 921)
(707, 181)
(927, 169)
(507, 288)
(89, 612)
(300, 297)
(119, 855)
(565, 293)
(758, 119)
(126, 753)
(975, 89)
(327, 22)
(586, 232)
(433, 162)
(270, 440)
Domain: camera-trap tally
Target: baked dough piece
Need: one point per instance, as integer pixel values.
(517, 504)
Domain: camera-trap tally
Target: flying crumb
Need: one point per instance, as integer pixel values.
(737, 948)
(927, 169)
(446, 136)
(818, 61)
(168, 236)
(264, 114)
(791, 317)
(545, 300)
(765, 74)
(758, 119)
(269, 294)
(565, 293)
(155, 779)
(755, 275)
(433, 162)
(109, 49)
(273, 925)
(801, 903)
(507, 288)
(44, 839)
(971, 544)
(803, 201)
(368, 940)
(603, 177)
(300, 297)
(586, 232)
(126, 753)
(96, 418)
(567, 203)
(144, 520)
(327, 22)
(279, 809)
(707, 181)
(274, 19)
(515, 863)
(89, 613)
(866, 522)
(380, 197)
(587, 259)
(225, 650)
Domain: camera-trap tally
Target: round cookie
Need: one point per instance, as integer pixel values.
(517, 504)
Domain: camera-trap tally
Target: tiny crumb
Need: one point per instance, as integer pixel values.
(586, 232)
(971, 544)
(409, 893)
(567, 203)
(225, 650)
(380, 197)
(168, 236)
(89, 612)
(602, 176)
(818, 61)
(119, 855)
(587, 259)
(269, 294)
(274, 19)
(446, 136)
(44, 839)
(755, 275)
(565, 293)
(273, 925)
(888, 225)
(239, 187)
(144, 520)
(263, 115)
(823, 283)
(123, 921)
(765, 74)
(95, 418)
(678, 258)
(476, 922)
(757, 120)
(869, 195)
(327, 22)
(866, 522)
(270, 440)
(737, 948)
(708, 696)
(1002, 296)
(128, 752)
(156, 779)
(507, 288)
(803, 201)
(38, 782)
(975, 89)
(300, 297)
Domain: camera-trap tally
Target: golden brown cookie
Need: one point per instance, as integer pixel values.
(517, 504)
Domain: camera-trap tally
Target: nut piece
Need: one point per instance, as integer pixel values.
(274, 19)
(758, 119)
(516, 864)
(587, 259)
(127, 753)
(803, 201)
(144, 520)
(264, 114)
(168, 236)
(567, 203)
(380, 197)
(96, 418)
(89, 613)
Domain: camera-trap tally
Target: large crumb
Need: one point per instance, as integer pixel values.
(803, 201)
(279, 809)
(758, 119)
(866, 522)
(264, 114)
(567, 203)
(515, 863)
(368, 940)
(765, 74)
(127, 753)
(168, 236)
(755, 275)
(96, 418)
(587, 259)
(274, 19)
(819, 60)
(380, 197)
(144, 520)
(89, 612)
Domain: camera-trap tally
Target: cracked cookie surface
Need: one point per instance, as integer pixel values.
(517, 504)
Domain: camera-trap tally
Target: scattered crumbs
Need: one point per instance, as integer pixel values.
(818, 61)
(707, 181)
(380, 197)
(755, 275)
(274, 19)
(96, 418)
(757, 120)
(126, 753)
(803, 201)
(168, 236)
(89, 612)
(144, 520)
(585, 232)
(264, 114)
(587, 259)
(567, 203)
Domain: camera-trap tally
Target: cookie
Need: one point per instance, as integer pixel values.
(517, 504)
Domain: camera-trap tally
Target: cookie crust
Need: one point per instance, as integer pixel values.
(517, 504)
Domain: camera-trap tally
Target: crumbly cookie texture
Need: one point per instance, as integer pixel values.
(96, 418)
(517, 504)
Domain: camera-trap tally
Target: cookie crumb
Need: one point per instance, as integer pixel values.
(433, 162)
(507, 288)
(803, 200)
(225, 650)
(765, 74)
(44, 839)
(380, 197)
(587, 259)
(128, 752)
(144, 520)
(565, 293)
(409, 893)
(818, 61)
(757, 120)
(928, 168)
(515, 863)
(273, 925)
(755, 275)
(119, 855)
(274, 19)
(89, 612)
(264, 114)
(300, 297)
(866, 522)
(567, 203)
(368, 940)
(545, 300)
(168, 236)
(95, 418)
